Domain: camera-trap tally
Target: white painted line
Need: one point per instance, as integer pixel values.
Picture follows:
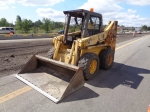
(38, 89)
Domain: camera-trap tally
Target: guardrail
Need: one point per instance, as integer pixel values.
(25, 36)
(34, 36)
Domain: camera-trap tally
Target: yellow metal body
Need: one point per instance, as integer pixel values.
(92, 44)
(58, 77)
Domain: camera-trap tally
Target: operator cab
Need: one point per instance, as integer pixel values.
(81, 23)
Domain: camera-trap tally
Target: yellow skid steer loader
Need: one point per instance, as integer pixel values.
(75, 57)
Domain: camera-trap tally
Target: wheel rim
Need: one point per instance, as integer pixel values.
(110, 59)
(93, 67)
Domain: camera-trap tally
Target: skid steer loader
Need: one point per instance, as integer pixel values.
(75, 57)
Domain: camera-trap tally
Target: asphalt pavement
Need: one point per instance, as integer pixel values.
(124, 88)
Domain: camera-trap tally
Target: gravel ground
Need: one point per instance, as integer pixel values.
(14, 55)
(14, 58)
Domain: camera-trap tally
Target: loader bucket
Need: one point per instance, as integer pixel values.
(52, 78)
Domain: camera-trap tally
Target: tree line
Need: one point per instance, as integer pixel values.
(145, 27)
(45, 25)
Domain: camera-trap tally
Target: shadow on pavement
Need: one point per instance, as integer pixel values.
(119, 74)
(81, 94)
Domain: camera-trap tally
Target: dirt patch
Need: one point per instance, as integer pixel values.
(12, 60)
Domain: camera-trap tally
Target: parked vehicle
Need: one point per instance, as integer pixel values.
(7, 30)
(61, 32)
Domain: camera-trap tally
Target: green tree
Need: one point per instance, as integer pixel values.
(4, 22)
(148, 28)
(52, 25)
(11, 25)
(26, 25)
(38, 23)
(58, 24)
(144, 27)
(122, 26)
(18, 18)
(18, 23)
(46, 24)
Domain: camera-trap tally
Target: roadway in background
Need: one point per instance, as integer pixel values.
(15, 53)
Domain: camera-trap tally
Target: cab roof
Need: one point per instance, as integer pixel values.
(79, 13)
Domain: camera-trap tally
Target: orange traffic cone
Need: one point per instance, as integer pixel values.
(148, 109)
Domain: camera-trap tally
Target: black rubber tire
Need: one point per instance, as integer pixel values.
(104, 58)
(85, 61)
(50, 53)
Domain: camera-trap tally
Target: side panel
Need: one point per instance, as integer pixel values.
(95, 49)
(92, 40)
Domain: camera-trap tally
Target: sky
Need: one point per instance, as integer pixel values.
(131, 13)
